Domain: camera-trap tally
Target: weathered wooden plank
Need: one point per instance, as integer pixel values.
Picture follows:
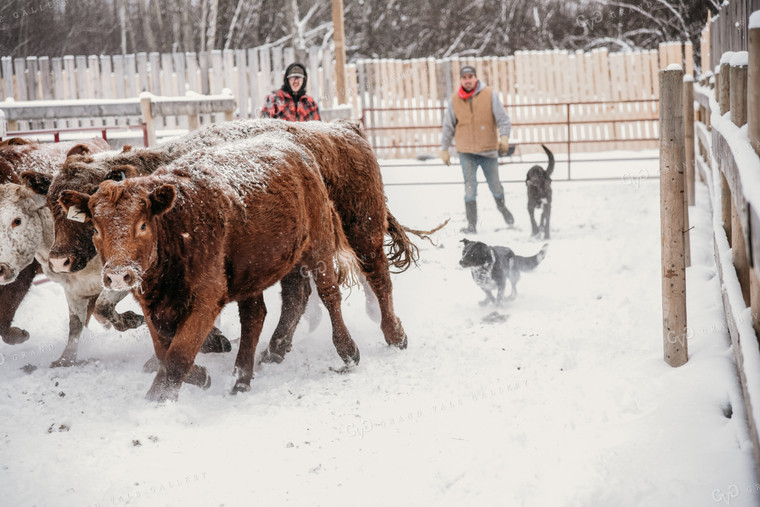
(242, 85)
(143, 68)
(119, 79)
(253, 82)
(40, 110)
(19, 67)
(128, 69)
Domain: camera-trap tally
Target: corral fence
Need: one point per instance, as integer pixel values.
(727, 158)
(246, 74)
(573, 101)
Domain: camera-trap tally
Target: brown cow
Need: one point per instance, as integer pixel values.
(17, 155)
(80, 175)
(216, 226)
(351, 174)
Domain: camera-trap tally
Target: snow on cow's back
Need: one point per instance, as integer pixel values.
(242, 166)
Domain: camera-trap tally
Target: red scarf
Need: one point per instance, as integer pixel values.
(466, 95)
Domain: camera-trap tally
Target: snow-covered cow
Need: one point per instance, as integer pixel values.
(350, 173)
(218, 225)
(17, 155)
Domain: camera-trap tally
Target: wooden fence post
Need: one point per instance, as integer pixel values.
(688, 118)
(688, 196)
(753, 130)
(672, 216)
(147, 117)
(738, 93)
(723, 85)
(753, 78)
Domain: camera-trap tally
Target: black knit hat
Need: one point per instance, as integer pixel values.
(295, 69)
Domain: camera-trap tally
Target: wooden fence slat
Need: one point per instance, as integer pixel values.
(141, 60)
(228, 63)
(253, 82)
(242, 86)
(266, 71)
(106, 78)
(314, 85)
(155, 73)
(180, 73)
(19, 67)
(128, 68)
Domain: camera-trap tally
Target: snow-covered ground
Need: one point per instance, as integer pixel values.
(558, 398)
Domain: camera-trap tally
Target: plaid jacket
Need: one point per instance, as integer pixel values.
(281, 105)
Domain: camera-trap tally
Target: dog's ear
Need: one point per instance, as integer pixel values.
(465, 241)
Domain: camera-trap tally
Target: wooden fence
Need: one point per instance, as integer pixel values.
(594, 101)
(597, 100)
(726, 32)
(728, 158)
(249, 74)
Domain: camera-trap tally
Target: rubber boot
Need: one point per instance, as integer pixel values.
(508, 218)
(471, 208)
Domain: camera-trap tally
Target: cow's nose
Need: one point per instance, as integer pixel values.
(7, 274)
(60, 264)
(119, 280)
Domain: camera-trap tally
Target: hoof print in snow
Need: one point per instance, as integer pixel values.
(61, 428)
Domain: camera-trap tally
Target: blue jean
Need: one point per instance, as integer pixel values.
(490, 166)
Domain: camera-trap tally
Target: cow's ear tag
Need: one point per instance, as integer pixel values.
(75, 214)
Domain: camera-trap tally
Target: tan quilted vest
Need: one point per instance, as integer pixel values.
(476, 129)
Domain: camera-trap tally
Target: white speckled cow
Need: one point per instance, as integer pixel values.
(26, 234)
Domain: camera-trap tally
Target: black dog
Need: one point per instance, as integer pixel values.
(539, 183)
(492, 266)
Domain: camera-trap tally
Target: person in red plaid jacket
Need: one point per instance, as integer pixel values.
(290, 102)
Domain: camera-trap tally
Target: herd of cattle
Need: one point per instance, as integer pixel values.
(212, 217)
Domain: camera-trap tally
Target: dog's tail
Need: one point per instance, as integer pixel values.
(550, 167)
(530, 263)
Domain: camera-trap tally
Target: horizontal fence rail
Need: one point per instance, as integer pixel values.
(606, 125)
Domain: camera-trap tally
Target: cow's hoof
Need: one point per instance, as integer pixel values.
(401, 343)
(241, 387)
(353, 359)
(129, 320)
(63, 362)
(15, 336)
(216, 342)
(271, 357)
(198, 376)
(161, 394)
(151, 365)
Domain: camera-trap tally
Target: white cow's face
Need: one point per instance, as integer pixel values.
(21, 229)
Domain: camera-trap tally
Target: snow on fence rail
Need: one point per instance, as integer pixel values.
(148, 107)
(249, 73)
(727, 128)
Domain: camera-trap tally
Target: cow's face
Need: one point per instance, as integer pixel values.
(124, 219)
(73, 248)
(22, 229)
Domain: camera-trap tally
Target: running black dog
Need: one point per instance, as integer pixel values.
(492, 266)
(539, 183)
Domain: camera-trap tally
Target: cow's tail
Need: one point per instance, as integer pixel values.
(400, 250)
(530, 263)
(346, 263)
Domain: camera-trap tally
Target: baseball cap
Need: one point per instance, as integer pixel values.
(467, 69)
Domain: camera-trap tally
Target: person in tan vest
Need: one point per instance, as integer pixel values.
(476, 120)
